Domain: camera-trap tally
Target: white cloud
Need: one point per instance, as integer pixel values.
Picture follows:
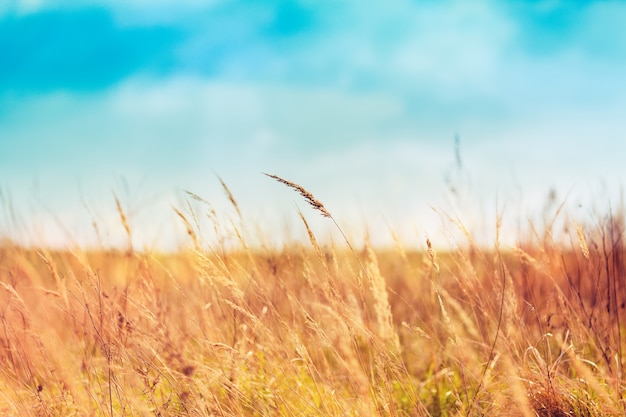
(20, 7)
(458, 49)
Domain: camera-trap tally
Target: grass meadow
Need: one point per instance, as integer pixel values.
(342, 329)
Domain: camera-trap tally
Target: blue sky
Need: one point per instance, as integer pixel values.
(358, 101)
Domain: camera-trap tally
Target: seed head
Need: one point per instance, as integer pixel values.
(316, 204)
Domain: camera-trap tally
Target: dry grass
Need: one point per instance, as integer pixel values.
(317, 330)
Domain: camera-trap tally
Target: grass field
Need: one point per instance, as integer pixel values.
(316, 329)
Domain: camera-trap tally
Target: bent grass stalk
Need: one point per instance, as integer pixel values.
(317, 205)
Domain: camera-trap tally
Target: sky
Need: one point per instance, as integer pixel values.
(394, 114)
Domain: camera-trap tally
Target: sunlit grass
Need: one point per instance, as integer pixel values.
(316, 330)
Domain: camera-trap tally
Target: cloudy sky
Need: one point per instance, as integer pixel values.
(360, 102)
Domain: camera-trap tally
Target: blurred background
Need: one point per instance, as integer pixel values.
(390, 113)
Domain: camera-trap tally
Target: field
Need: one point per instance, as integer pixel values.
(343, 329)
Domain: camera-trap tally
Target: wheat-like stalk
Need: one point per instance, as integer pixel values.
(315, 203)
(230, 196)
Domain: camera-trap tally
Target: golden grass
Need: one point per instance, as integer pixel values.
(316, 330)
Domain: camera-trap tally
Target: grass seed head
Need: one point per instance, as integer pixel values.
(316, 204)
